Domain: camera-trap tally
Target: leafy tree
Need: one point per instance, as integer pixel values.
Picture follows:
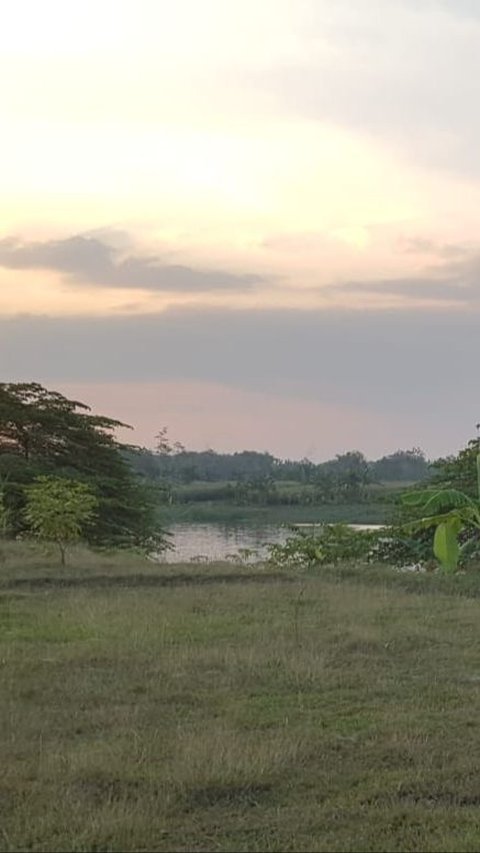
(402, 465)
(458, 472)
(35, 422)
(59, 510)
(44, 433)
(164, 446)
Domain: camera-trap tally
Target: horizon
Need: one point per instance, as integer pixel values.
(284, 459)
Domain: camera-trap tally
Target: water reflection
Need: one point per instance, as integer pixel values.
(197, 542)
(202, 542)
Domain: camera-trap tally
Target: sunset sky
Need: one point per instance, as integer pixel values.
(254, 222)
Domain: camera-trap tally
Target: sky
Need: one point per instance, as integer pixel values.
(255, 223)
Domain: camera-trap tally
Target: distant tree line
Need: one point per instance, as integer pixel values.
(188, 466)
(251, 477)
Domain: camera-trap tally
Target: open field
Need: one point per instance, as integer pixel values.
(211, 708)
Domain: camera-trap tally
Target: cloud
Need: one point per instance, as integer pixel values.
(409, 288)
(89, 260)
(454, 276)
(462, 292)
(444, 251)
(403, 71)
(417, 371)
(392, 361)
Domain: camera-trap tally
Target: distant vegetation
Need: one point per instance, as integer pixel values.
(50, 444)
(434, 527)
(174, 462)
(250, 478)
(64, 476)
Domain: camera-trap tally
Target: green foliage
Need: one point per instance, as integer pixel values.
(333, 543)
(445, 543)
(403, 465)
(436, 500)
(59, 510)
(450, 511)
(4, 515)
(42, 433)
(394, 547)
(459, 472)
(345, 476)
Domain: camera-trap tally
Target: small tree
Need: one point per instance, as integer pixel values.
(58, 510)
(4, 515)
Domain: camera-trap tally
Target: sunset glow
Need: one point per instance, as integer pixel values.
(255, 156)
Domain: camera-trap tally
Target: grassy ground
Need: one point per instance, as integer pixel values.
(149, 708)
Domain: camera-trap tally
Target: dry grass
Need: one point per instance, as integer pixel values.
(310, 715)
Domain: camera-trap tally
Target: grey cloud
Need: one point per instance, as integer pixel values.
(411, 288)
(389, 361)
(454, 277)
(465, 269)
(93, 261)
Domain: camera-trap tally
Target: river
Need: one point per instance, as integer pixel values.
(205, 542)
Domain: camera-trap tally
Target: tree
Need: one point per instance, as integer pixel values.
(458, 472)
(4, 514)
(59, 510)
(401, 465)
(351, 473)
(36, 422)
(42, 433)
(164, 446)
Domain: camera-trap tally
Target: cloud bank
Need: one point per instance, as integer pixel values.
(386, 360)
(85, 260)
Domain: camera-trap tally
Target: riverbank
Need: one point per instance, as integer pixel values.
(370, 512)
(200, 708)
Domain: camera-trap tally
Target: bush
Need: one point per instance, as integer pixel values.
(335, 542)
(340, 543)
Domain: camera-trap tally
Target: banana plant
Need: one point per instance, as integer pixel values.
(450, 512)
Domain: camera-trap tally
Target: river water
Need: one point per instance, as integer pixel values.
(205, 542)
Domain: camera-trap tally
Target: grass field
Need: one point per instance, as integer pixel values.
(202, 708)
